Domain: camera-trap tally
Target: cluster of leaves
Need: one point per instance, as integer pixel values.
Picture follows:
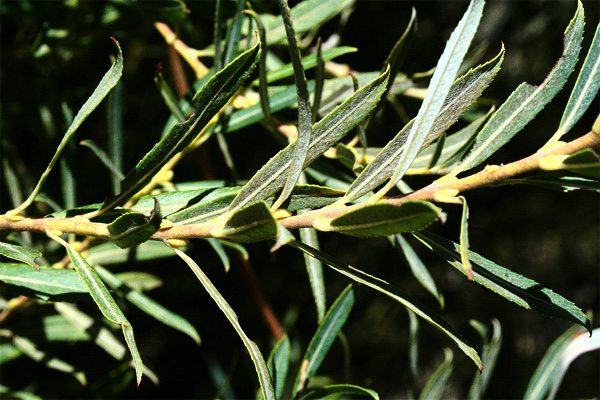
(156, 217)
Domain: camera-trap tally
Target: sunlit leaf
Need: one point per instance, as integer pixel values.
(562, 183)
(338, 391)
(135, 228)
(249, 224)
(47, 284)
(20, 253)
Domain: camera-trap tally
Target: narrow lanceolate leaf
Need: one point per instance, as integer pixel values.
(418, 268)
(561, 183)
(338, 391)
(109, 80)
(434, 388)
(320, 343)
(489, 355)
(314, 269)
(20, 253)
(135, 228)
(148, 305)
(585, 89)
(115, 134)
(506, 283)
(104, 300)
(109, 253)
(304, 113)
(103, 157)
(259, 363)
(439, 88)
(47, 284)
(325, 133)
(209, 100)
(396, 294)
(526, 101)
(30, 349)
(463, 93)
(382, 219)
(464, 238)
(250, 224)
(279, 362)
(585, 162)
(549, 374)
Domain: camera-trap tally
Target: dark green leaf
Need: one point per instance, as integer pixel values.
(278, 362)
(436, 384)
(562, 183)
(382, 219)
(134, 228)
(584, 162)
(109, 253)
(517, 288)
(322, 340)
(103, 157)
(249, 224)
(335, 391)
(489, 355)
(20, 253)
(115, 134)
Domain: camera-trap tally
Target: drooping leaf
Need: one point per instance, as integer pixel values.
(109, 80)
(338, 391)
(148, 305)
(436, 384)
(439, 89)
(464, 238)
(278, 362)
(585, 90)
(322, 340)
(49, 284)
(102, 156)
(382, 219)
(208, 101)
(259, 363)
(526, 101)
(20, 253)
(249, 224)
(462, 94)
(566, 348)
(135, 228)
(303, 141)
(396, 294)
(418, 268)
(104, 300)
(489, 356)
(325, 133)
(561, 183)
(516, 288)
(218, 248)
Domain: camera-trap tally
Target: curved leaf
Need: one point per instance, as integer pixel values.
(20, 253)
(434, 388)
(134, 228)
(250, 224)
(335, 391)
(49, 284)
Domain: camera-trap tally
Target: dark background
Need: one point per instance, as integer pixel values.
(548, 236)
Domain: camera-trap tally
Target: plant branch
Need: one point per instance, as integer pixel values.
(491, 175)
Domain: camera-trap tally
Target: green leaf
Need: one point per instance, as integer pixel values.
(303, 140)
(169, 97)
(249, 224)
(562, 183)
(20, 253)
(523, 291)
(259, 363)
(218, 248)
(134, 228)
(109, 80)
(436, 384)
(395, 293)
(314, 269)
(30, 349)
(489, 356)
(382, 219)
(115, 134)
(526, 101)
(585, 162)
(585, 90)
(418, 268)
(208, 101)
(234, 33)
(322, 340)
(279, 362)
(148, 305)
(140, 281)
(104, 300)
(325, 133)
(47, 284)
(439, 89)
(462, 94)
(549, 373)
(464, 238)
(103, 157)
(335, 391)
(109, 253)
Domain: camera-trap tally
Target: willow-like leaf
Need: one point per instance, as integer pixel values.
(526, 101)
(396, 294)
(561, 183)
(325, 133)
(135, 228)
(48, 284)
(148, 305)
(303, 140)
(262, 65)
(489, 356)
(115, 134)
(521, 290)
(208, 101)
(439, 89)
(109, 80)
(436, 384)
(103, 300)
(585, 90)
(169, 97)
(102, 156)
(464, 238)
(585, 162)
(279, 362)
(109, 253)
(259, 363)
(322, 340)
(338, 391)
(463, 93)
(20, 253)
(382, 219)
(249, 224)
(234, 34)
(418, 268)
